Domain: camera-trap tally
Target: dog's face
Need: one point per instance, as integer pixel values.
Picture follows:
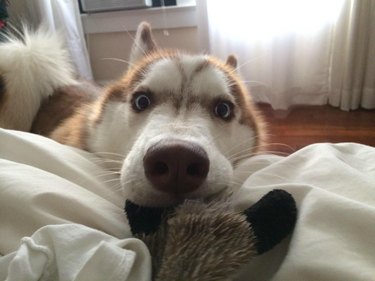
(181, 122)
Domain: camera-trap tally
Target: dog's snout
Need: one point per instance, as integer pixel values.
(176, 167)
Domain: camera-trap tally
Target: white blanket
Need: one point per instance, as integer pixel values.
(61, 214)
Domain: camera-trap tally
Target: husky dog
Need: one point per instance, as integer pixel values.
(180, 122)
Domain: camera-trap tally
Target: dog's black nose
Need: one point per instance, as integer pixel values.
(176, 166)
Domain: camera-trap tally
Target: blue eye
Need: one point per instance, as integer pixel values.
(223, 110)
(141, 101)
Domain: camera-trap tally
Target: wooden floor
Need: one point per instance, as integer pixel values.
(304, 125)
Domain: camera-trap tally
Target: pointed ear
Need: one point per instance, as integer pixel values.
(144, 42)
(232, 61)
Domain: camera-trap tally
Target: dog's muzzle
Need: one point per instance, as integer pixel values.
(175, 166)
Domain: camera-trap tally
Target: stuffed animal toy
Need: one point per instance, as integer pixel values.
(210, 241)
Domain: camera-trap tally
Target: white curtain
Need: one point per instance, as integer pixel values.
(59, 15)
(353, 57)
(290, 51)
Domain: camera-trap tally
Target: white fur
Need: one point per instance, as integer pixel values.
(131, 134)
(163, 76)
(212, 82)
(33, 67)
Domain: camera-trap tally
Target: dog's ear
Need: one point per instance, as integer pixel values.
(143, 43)
(232, 61)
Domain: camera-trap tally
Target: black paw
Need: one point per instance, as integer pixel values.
(272, 218)
(144, 220)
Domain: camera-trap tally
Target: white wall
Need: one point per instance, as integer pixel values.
(117, 45)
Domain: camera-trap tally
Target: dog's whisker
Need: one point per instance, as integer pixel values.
(250, 82)
(135, 41)
(110, 153)
(111, 180)
(247, 152)
(238, 68)
(271, 151)
(228, 151)
(116, 188)
(99, 157)
(241, 145)
(110, 174)
(109, 166)
(246, 63)
(266, 145)
(235, 158)
(119, 60)
(263, 174)
(241, 155)
(131, 179)
(134, 182)
(105, 161)
(281, 145)
(235, 148)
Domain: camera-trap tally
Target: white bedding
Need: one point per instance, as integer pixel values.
(59, 222)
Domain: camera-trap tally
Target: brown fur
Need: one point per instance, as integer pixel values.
(146, 36)
(63, 104)
(232, 61)
(73, 131)
(197, 243)
(64, 116)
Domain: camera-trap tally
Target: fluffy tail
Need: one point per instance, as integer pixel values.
(31, 69)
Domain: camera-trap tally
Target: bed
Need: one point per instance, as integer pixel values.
(61, 214)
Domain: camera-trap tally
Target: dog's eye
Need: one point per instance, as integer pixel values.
(223, 110)
(141, 101)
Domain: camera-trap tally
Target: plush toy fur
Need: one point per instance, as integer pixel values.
(210, 241)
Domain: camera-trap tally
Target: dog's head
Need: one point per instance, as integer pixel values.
(181, 121)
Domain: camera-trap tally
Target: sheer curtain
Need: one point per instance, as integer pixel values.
(59, 15)
(290, 52)
(353, 57)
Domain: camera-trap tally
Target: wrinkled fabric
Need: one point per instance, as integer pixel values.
(334, 187)
(75, 252)
(61, 220)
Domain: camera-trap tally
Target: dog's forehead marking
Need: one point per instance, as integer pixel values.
(210, 81)
(163, 75)
(186, 75)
